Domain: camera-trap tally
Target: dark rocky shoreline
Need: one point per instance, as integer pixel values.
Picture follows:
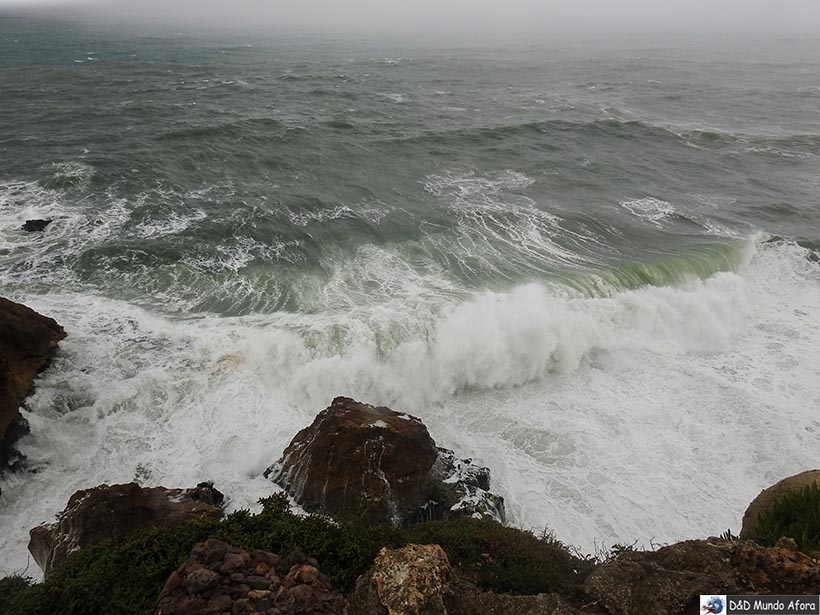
(416, 527)
(28, 340)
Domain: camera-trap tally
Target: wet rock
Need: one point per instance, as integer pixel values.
(115, 511)
(356, 460)
(767, 497)
(35, 226)
(459, 488)
(27, 342)
(670, 580)
(243, 591)
(365, 462)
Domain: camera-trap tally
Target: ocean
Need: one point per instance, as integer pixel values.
(592, 268)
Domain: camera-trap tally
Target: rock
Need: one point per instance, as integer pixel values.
(94, 515)
(670, 580)
(463, 598)
(356, 460)
(417, 580)
(365, 462)
(412, 579)
(201, 580)
(35, 226)
(459, 488)
(767, 497)
(242, 591)
(27, 342)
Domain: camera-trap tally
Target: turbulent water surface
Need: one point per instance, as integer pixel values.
(591, 269)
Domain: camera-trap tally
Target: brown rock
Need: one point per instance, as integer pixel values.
(374, 464)
(173, 582)
(116, 511)
(196, 590)
(768, 496)
(669, 581)
(201, 580)
(307, 574)
(259, 594)
(463, 598)
(358, 460)
(407, 581)
(234, 561)
(257, 582)
(219, 604)
(27, 341)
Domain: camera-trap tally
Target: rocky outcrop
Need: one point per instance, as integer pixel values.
(27, 341)
(670, 580)
(372, 463)
(418, 580)
(405, 581)
(767, 497)
(116, 511)
(220, 578)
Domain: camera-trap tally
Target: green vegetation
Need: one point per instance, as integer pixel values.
(502, 558)
(125, 578)
(794, 515)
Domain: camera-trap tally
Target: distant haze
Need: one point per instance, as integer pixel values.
(457, 16)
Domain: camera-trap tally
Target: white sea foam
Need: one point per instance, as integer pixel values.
(371, 210)
(656, 413)
(650, 209)
(497, 225)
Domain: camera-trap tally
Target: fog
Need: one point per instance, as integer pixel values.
(450, 16)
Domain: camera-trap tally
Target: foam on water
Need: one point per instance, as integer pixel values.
(497, 227)
(650, 209)
(655, 413)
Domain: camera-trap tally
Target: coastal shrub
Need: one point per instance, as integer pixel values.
(125, 577)
(796, 515)
(13, 589)
(503, 559)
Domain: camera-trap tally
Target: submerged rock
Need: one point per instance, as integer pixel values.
(115, 511)
(220, 578)
(768, 496)
(670, 580)
(27, 342)
(372, 463)
(35, 226)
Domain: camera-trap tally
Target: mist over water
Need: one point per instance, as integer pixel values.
(594, 271)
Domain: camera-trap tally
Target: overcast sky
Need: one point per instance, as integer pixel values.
(691, 15)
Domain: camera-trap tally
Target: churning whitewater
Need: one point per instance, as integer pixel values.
(571, 269)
